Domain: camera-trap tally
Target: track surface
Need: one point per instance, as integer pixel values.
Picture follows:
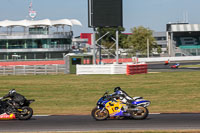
(160, 67)
(87, 123)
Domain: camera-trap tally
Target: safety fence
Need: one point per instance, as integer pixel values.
(32, 69)
(136, 69)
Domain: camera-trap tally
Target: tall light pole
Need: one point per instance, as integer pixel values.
(147, 47)
(117, 47)
(94, 46)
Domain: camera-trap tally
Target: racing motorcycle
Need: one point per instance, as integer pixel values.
(23, 112)
(108, 107)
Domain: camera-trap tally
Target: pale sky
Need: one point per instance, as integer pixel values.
(154, 14)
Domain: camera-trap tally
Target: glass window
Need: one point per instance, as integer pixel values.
(3, 44)
(16, 44)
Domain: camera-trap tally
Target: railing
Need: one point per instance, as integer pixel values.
(193, 52)
(32, 70)
(188, 52)
(182, 51)
(20, 33)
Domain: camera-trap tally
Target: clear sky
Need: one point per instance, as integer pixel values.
(154, 14)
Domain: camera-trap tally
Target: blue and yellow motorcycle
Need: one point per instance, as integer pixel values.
(109, 107)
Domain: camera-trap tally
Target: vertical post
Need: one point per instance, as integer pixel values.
(196, 52)
(14, 71)
(45, 69)
(34, 70)
(171, 44)
(94, 46)
(56, 68)
(4, 70)
(7, 45)
(168, 42)
(147, 47)
(99, 46)
(24, 70)
(117, 47)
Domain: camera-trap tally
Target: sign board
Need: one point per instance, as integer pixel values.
(105, 13)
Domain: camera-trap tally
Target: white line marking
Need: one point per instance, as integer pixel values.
(41, 115)
(50, 115)
(155, 113)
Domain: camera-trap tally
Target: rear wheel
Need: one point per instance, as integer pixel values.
(98, 114)
(140, 113)
(25, 113)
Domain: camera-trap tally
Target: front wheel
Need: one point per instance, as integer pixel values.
(25, 113)
(140, 113)
(99, 115)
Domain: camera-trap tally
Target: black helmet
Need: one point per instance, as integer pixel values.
(12, 91)
(117, 89)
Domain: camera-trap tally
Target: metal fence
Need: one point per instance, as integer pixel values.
(32, 70)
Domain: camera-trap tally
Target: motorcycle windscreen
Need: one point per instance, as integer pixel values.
(7, 117)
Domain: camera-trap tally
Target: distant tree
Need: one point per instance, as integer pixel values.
(159, 50)
(137, 42)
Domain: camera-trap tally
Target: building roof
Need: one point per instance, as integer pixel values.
(184, 27)
(44, 22)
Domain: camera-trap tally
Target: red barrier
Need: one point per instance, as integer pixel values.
(121, 60)
(51, 62)
(15, 63)
(7, 117)
(136, 69)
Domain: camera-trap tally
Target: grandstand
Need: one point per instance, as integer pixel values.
(36, 39)
(183, 39)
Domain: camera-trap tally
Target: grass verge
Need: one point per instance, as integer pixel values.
(190, 66)
(135, 131)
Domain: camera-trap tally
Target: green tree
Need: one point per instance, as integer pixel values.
(107, 41)
(137, 42)
(159, 50)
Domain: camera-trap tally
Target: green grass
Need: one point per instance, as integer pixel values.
(71, 94)
(189, 66)
(135, 131)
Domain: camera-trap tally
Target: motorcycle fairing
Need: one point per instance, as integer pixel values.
(7, 117)
(115, 108)
(141, 102)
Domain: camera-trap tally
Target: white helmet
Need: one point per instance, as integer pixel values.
(12, 91)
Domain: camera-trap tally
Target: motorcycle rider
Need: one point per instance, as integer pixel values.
(122, 95)
(18, 99)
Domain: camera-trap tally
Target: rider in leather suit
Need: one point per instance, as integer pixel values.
(122, 95)
(18, 99)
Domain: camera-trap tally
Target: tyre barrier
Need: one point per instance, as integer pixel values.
(7, 117)
(136, 69)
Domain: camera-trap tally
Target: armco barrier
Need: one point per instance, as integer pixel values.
(136, 69)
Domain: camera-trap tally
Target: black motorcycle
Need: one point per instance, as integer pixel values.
(22, 112)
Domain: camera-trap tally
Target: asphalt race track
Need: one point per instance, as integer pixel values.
(160, 67)
(87, 123)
